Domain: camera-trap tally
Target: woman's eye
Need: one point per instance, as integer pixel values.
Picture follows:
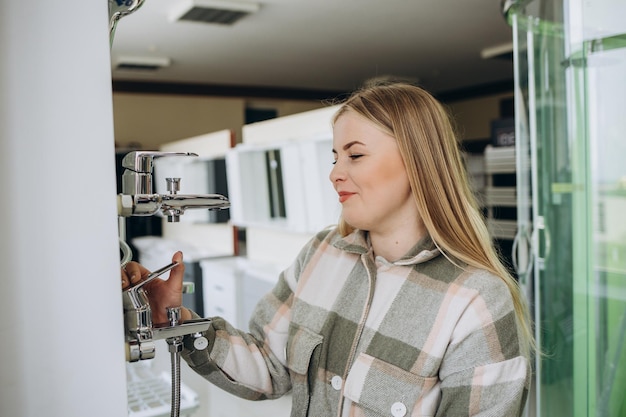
(353, 157)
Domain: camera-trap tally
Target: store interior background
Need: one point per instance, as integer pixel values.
(189, 86)
(224, 77)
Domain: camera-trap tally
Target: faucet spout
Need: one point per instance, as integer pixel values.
(174, 205)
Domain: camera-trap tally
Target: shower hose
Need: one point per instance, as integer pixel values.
(175, 358)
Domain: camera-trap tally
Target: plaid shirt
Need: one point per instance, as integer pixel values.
(353, 335)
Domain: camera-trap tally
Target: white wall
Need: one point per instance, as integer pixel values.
(60, 301)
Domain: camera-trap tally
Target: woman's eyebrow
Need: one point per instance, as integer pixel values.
(349, 145)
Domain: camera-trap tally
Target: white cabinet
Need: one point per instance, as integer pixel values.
(320, 199)
(283, 185)
(220, 283)
(260, 179)
(232, 287)
(278, 177)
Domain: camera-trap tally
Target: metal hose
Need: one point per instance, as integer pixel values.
(175, 359)
(127, 253)
(175, 345)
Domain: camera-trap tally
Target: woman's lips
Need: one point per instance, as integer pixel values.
(343, 196)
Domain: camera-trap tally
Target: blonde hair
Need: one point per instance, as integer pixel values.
(428, 145)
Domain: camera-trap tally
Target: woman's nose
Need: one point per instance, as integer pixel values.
(337, 173)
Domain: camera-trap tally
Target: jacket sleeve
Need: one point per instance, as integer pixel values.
(483, 372)
(251, 364)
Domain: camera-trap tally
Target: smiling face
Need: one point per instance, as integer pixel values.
(369, 177)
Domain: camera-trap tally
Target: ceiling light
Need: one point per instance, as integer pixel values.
(141, 63)
(225, 12)
(504, 51)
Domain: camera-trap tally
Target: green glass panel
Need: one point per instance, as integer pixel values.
(571, 127)
(605, 91)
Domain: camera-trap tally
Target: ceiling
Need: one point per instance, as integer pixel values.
(321, 45)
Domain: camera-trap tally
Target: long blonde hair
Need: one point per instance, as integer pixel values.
(430, 152)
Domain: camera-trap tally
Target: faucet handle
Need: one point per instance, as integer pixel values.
(152, 276)
(141, 161)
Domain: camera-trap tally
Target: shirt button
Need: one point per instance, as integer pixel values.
(336, 382)
(398, 410)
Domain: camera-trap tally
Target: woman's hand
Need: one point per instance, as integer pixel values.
(161, 294)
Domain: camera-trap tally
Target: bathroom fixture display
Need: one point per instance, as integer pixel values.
(141, 333)
(137, 198)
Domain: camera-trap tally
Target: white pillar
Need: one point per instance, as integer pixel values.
(60, 304)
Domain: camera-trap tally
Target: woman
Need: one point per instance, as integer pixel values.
(402, 309)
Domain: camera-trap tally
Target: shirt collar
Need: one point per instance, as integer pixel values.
(358, 242)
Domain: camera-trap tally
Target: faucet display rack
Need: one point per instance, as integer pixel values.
(137, 199)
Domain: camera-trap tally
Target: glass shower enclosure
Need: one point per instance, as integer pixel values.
(570, 104)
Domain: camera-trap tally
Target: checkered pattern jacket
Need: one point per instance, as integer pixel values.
(352, 335)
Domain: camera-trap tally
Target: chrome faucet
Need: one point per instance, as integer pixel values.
(137, 198)
(140, 333)
(137, 176)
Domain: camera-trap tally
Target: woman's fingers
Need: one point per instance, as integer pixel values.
(132, 274)
(177, 273)
(125, 280)
(125, 277)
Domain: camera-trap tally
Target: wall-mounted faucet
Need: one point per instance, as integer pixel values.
(137, 198)
(140, 333)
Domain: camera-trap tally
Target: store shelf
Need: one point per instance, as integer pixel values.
(501, 191)
(499, 160)
(502, 229)
(501, 196)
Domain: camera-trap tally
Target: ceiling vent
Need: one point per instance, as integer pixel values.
(125, 63)
(223, 12)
